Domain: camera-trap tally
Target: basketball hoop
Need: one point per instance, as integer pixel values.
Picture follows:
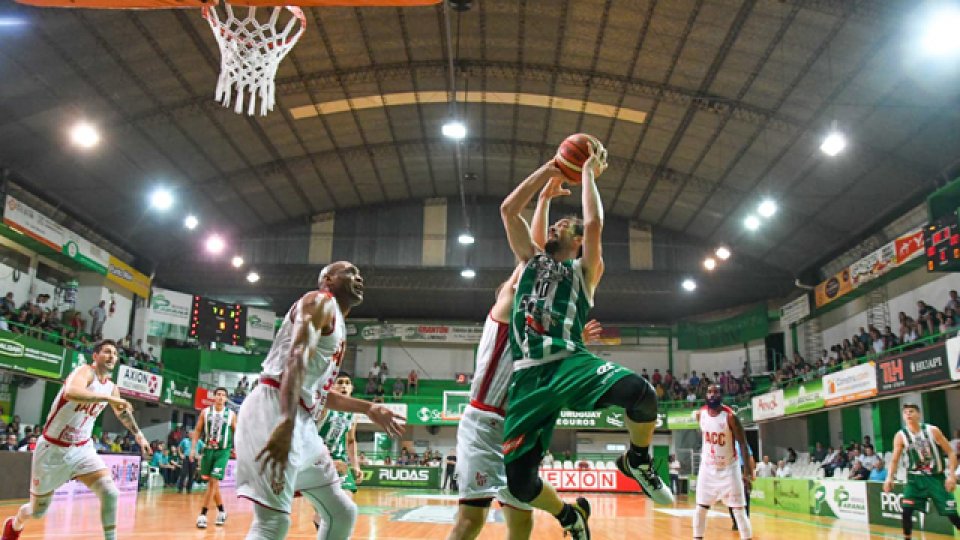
(250, 53)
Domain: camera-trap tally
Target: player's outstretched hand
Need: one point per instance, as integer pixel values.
(388, 420)
(554, 188)
(144, 443)
(597, 159)
(358, 475)
(887, 485)
(276, 453)
(592, 331)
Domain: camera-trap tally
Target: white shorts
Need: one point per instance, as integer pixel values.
(480, 470)
(54, 466)
(309, 465)
(724, 485)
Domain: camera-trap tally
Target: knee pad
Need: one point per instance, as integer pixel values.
(522, 480)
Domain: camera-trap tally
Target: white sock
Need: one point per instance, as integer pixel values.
(743, 523)
(700, 521)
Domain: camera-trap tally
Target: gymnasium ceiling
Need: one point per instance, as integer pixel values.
(706, 107)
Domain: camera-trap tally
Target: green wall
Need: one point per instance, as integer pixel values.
(934, 406)
(886, 423)
(850, 422)
(818, 429)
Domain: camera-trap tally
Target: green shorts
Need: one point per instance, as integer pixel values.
(539, 393)
(349, 482)
(920, 487)
(214, 463)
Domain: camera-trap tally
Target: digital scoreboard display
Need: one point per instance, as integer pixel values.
(941, 241)
(213, 321)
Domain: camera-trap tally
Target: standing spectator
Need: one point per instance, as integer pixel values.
(889, 339)
(926, 318)
(98, 316)
(374, 372)
(952, 305)
(791, 455)
(547, 462)
(76, 326)
(694, 380)
(657, 378)
(765, 469)
(189, 468)
(449, 482)
(819, 453)
(398, 388)
(413, 381)
(645, 375)
(7, 305)
(877, 343)
(784, 470)
(674, 465)
(384, 372)
(668, 379)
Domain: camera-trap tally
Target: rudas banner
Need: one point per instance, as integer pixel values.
(833, 288)
(405, 477)
(913, 370)
(129, 278)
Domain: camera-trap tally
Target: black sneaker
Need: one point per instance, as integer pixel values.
(649, 480)
(579, 530)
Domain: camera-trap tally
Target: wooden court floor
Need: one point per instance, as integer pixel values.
(395, 515)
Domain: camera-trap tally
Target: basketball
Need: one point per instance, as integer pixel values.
(573, 153)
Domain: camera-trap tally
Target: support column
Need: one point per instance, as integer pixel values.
(886, 423)
(818, 429)
(850, 420)
(934, 406)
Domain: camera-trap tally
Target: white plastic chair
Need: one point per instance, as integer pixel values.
(611, 466)
(568, 465)
(154, 478)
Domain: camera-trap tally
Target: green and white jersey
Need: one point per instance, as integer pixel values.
(218, 428)
(550, 308)
(334, 433)
(923, 454)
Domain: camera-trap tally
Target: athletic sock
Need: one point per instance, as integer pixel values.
(203, 511)
(567, 516)
(638, 455)
(220, 507)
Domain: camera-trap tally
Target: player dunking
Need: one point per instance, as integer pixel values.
(339, 433)
(552, 368)
(65, 450)
(218, 424)
(278, 421)
(480, 466)
(925, 473)
(720, 478)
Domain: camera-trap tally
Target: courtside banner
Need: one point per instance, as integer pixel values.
(139, 384)
(953, 357)
(916, 369)
(769, 405)
(125, 470)
(609, 481)
(678, 419)
(851, 384)
(404, 477)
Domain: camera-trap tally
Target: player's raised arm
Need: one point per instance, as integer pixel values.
(541, 214)
(518, 231)
(593, 216)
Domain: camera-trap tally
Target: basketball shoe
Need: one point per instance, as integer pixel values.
(202, 521)
(648, 479)
(9, 533)
(221, 518)
(579, 530)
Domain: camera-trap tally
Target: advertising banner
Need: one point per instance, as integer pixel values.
(912, 370)
(953, 357)
(127, 277)
(170, 307)
(138, 383)
(125, 470)
(423, 333)
(795, 311)
(589, 480)
(178, 391)
(678, 419)
(804, 397)
(841, 499)
(833, 288)
(55, 236)
(851, 384)
(29, 355)
(203, 398)
(604, 419)
(261, 323)
(404, 477)
(873, 265)
(886, 509)
(761, 493)
(8, 396)
(769, 405)
(230, 474)
(792, 494)
(909, 246)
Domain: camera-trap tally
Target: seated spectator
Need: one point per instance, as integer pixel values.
(398, 388)
(7, 306)
(115, 447)
(371, 387)
(413, 380)
(161, 460)
(691, 396)
(953, 304)
(819, 453)
(660, 391)
(583, 465)
(21, 323)
(879, 472)
(102, 444)
(784, 470)
(765, 469)
(378, 394)
(791, 455)
(10, 445)
(363, 459)
(859, 472)
(3, 323)
(869, 457)
(387, 461)
(30, 445)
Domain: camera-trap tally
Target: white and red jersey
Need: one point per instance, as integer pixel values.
(719, 447)
(491, 377)
(70, 423)
(322, 367)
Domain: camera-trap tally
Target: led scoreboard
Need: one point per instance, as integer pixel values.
(941, 240)
(212, 321)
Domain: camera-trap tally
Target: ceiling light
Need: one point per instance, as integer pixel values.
(454, 130)
(253, 277)
(161, 199)
(191, 222)
(12, 21)
(941, 37)
(689, 285)
(84, 135)
(466, 238)
(767, 208)
(709, 263)
(468, 273)
(751, 222)
(236, 261)
(833, 143)
(723, 253)
(215, 244)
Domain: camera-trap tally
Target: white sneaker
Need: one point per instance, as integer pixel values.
(648, 479)
(201, 521)
(221, 518)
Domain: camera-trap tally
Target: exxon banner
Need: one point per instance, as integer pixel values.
(140, 384)
(769, 405)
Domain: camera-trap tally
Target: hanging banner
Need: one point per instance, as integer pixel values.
(127, 277)
(795, 311)
(202, 398)
(678, 419)
(177, 391)
(873, 265)
(29, 355)
(8, 397)
(909, 246)
(769, 405)
(804, 397)
(851, 384)
(261, 323)
(170, 307)
(833, 288)
(138, 383)
(55, 236)
(953, 357)
(748, 326)
(423, 333)
(913, 370)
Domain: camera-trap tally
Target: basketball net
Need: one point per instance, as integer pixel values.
(250, 53)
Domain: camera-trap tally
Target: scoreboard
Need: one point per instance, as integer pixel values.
(941, 240)
(213, 321)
